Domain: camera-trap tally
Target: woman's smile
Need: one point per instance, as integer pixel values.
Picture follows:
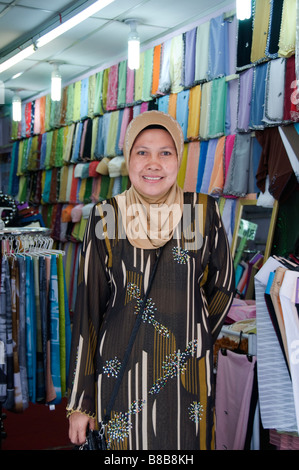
(153, 164)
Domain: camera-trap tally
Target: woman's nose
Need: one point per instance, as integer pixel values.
(154, 162)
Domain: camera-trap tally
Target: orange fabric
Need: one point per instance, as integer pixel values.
(192, 167)
(156, 69)
(172, 104)
(217, 176)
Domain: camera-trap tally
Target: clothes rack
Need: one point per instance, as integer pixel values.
(35, 324)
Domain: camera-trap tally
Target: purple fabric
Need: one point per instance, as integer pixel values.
(189, 59)
(235, 374)
(245, 94)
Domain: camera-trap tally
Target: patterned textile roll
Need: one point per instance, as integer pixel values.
(122, 80)
(111, 103)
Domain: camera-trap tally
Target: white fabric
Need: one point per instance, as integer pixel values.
(274, 384)
(291, 322)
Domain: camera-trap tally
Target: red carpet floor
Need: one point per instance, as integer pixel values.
(37, 428)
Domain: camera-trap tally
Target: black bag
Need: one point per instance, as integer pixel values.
(95, 440)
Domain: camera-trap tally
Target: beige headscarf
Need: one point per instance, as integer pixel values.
(150, 222)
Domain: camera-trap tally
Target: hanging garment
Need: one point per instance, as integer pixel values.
(182, 110)
(189, 57)
(276, 397)
(176, 64)
(98, 108)
(275, 85)
(138, 84)
(291, 323)
(290, 139)
(275, 163)
(218, 48)
(156, 69)
(147, 74)
(91, 94)
(205, 110)
(122, 81)
(84, 98)
(236, 183)
(202, 52)
(130, 86)
(244, 99)
(201, 164)
(287, 38)
(291, 108)
(217, 176)
(111, 103)
(258, 97)
(194, 112)
(192, 167)
(244, 43)
(231, 118)
(274, 28)
(217, 108)
(260, 30)
(164, 79)
(234, 387)
(212, 144)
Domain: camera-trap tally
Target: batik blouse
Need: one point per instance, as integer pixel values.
(166, 396)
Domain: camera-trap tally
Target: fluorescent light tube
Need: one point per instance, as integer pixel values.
(16, 108)
(17, 58)
(74, 21)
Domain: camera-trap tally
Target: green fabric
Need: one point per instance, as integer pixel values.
(218, 107)
(122, 81)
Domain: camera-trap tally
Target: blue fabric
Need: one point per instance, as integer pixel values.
(30, 330)
(201, 164)
(84, 98)
(212, 144)
(54, 330)
(218, 48)
(163, 104)
(182, 110)
(77, 142)
(258, 97)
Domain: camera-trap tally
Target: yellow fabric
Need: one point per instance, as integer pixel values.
(260, 30)
(287, 38)
(194, 112)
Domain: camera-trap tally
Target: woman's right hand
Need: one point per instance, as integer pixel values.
(78, 423)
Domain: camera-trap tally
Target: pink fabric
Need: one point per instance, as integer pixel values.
(242, 310)
(192, 166)
(130, 86)
(111, 103)
(235, 374)
(127, 117)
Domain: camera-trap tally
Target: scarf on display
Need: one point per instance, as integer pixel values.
(260, 30)
(157, 217)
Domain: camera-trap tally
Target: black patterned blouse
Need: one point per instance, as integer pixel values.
(166, 397)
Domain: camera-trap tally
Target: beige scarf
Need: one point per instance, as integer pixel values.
(149, 223)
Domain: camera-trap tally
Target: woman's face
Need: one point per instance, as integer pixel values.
(153, 166)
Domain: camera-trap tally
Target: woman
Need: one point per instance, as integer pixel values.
(166, 395)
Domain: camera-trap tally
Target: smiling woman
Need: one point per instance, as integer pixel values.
(165, 398)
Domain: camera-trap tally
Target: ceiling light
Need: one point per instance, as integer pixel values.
(74, 21)
(62, 28)
(133, 46)
(16, 108)
(55, 84)
(243, 9)
(17, 58)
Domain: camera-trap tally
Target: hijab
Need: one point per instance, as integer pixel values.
(149, 222)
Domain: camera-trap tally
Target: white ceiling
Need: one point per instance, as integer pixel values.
(94, 44)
